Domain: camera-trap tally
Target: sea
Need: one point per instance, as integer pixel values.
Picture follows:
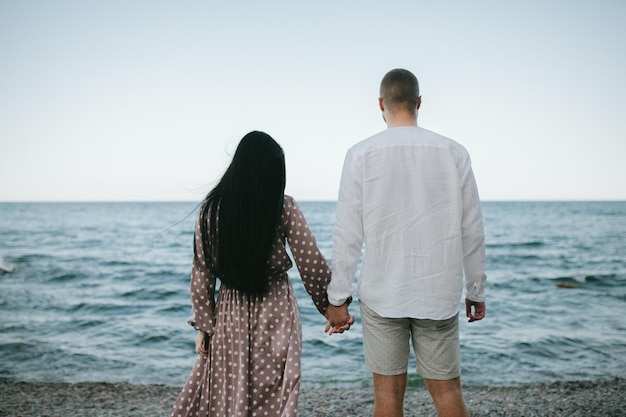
(100, 292)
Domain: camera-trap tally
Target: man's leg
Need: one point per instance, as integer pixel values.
(389, 395)
(386, 350)
(437, 351)
(447, 396)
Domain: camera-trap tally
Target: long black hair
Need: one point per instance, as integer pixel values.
(243, 212)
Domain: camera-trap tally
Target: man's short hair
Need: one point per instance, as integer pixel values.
(399, 89)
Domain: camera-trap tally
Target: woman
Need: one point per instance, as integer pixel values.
(249, 340)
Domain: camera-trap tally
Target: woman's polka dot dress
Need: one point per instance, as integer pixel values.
(253, 365)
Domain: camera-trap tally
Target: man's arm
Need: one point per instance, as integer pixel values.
(348, 234)
(473, 236)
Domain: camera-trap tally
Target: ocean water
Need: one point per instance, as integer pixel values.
(99, 292)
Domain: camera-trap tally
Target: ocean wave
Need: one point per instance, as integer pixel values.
(65, 277)
(505, 245)
(174, 308)
(154, 339)
(599, 280)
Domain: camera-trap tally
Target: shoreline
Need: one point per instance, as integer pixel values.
(100, 399)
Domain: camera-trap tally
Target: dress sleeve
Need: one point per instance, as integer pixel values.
(202, 289)
(312, 265)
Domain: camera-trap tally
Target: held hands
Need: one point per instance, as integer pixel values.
(339, 320)
(475, 310)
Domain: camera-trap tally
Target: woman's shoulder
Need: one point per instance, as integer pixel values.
(290, 202)
(289, 206)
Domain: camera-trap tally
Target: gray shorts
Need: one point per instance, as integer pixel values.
(435, 342)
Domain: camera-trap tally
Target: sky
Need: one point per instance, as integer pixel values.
(146, 100)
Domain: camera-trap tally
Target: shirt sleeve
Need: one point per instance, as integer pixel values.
(312, 266)
(473, 235)
(348, 234)
(202, 289)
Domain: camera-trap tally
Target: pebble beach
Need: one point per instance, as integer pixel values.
(89, 399)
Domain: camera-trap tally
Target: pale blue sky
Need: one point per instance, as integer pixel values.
(146, 100)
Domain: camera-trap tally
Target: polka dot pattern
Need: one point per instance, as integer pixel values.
(255, 342)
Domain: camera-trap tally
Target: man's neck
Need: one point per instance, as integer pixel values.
(402, 119)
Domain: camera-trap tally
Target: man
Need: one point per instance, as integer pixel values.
(408, 195)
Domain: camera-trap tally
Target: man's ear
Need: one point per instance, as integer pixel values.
(381, 105)
(419, 102)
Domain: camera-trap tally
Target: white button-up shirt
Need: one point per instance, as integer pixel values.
(409, 196)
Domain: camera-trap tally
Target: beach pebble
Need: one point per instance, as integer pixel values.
(97, 399)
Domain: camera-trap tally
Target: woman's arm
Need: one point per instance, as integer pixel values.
(312, 265)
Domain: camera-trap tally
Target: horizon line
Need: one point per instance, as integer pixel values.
(490, 200)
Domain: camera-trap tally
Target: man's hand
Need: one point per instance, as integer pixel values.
(339, 319)
(475, 310)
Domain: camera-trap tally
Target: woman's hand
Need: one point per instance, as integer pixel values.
(339, 319)
(339, 329)
(201, 343)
